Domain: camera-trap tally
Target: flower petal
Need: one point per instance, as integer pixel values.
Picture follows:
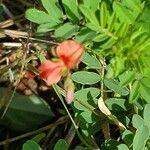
(51, 71)
(47, 65)
(54, 76)
(70, 53)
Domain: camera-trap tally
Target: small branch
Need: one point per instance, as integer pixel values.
(10, 22)
(24, 35)
(58, 122)
(11, 44)
(70, 136)
(7, 11)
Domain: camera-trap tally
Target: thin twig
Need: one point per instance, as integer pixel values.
(62, 101)
(58, 122)
(45, 142)
(24, 35)
(11, 44)
(7, 11)
(70, 136)
(10, 22)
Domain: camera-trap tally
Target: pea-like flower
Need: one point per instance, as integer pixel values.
(69, 54)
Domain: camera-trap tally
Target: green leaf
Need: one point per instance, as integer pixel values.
(72, 10)
(127, 137)
(116, 87)
(85, 96)
(135, 5)
(136, 35)
(38, 16)
(146, 81)
(92, 27)
(87, 115)
(134, 93)
(25, 112)
(123, 13)
(91, 61)
(65, 31)
(122, 147)
(111, 23)
(146, 115)
(144, 20)
(90, 15)
(101, 37)
(61, 145)
(87, 93)
(84, 35)
(92, 4)
(127, 77)
(122, 30)
(85, 77)
(31, 145)
(45, 27)
(108, 44)
(52, 9)
(103, 14)
(82, 105)
(140, 138)
(144, 92)
(119, 65)
(137, 121)
(117, 104)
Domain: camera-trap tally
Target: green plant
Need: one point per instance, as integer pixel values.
(112, 83)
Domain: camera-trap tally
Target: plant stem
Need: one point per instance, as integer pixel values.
(62, 101)
(73, 122)
(105, 124)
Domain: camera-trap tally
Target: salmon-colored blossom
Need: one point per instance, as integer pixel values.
(51, 71)
(69, 54)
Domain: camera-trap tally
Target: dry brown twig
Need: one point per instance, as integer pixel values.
(11, 22)
(24, 35)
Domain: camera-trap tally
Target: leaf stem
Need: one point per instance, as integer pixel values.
(62, 101)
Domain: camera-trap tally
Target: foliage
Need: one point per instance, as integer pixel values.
(25, 113)
(114, 32)
(114, 72)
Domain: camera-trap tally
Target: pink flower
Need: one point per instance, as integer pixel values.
(69, 53)
(51, 71)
